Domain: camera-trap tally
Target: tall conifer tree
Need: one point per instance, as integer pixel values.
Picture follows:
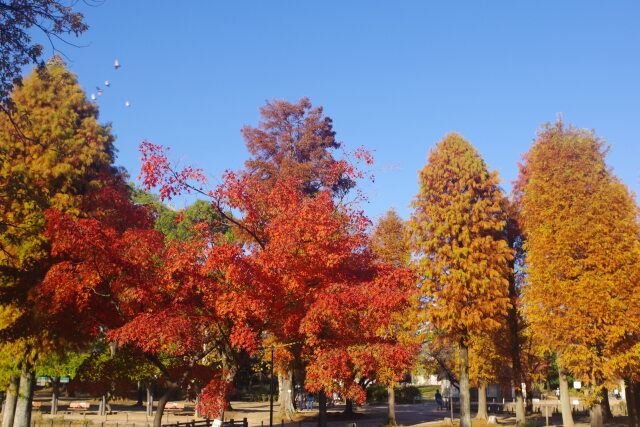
(458, 233)
(582, 249)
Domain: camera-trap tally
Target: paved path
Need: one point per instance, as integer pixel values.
(257, 414)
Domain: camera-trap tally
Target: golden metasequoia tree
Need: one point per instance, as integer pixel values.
(582, 247)
(389, 239)
(458, 237)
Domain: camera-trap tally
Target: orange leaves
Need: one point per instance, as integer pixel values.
(582, 250)
(302, 262)
(458, 232)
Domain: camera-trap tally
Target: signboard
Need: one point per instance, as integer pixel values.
(64, 380)
(41, 381)
(577, 385)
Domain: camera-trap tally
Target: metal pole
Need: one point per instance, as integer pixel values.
(451, 398)
(271, 391)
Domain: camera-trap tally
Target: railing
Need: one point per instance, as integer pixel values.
(210, 423)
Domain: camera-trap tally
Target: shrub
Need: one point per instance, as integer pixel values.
(406, 394)
(377, 394)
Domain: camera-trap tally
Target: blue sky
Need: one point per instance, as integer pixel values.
(395, 76)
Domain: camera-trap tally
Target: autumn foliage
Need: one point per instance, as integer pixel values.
(458, 234)
(582, 254)
(309, 252)
(280, 256)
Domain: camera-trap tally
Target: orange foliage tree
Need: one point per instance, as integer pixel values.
(175, 302)
(582, 249)
(457, 231)
(293, 141)
(327, 295)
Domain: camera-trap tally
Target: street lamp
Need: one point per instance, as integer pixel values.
(271, 390)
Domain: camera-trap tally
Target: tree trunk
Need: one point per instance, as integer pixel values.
(102, 408)
(149, 399)
(528, 404)
(140, 394)
(520, 412)
(348, 407)
(631, 403)
(230, 369)
(285, 395)
(10, 401)
(465, 397)
(162, 402)
(636, 393)
(322, 409)
(22, 417)
(607, 415)
(391, 411)
(514, 330)
(482, 402)
(565, 402)
(596, 414)
(55, 395)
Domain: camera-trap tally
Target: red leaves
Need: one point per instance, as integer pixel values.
(213, 398)
(156, 172)
(304, 269)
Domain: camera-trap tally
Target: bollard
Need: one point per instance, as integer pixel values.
(546, 414)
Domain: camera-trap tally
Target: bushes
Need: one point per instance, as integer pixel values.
(406, 394)
(376, 394)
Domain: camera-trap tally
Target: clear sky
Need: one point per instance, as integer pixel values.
(395, 76)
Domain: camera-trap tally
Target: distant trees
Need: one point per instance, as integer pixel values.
(457, 231)
(389, 242)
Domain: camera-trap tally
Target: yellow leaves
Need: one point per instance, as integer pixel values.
(458, 235)
(582, 250)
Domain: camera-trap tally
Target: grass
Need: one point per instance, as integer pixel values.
(428, 391)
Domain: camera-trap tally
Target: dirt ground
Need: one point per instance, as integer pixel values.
(125, 414)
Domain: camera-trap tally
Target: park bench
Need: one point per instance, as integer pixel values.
(174, 406)
(79, 406)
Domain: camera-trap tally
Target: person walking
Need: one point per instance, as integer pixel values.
(438, 399)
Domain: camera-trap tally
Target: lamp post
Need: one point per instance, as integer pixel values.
(451, 398)
(271, 390)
